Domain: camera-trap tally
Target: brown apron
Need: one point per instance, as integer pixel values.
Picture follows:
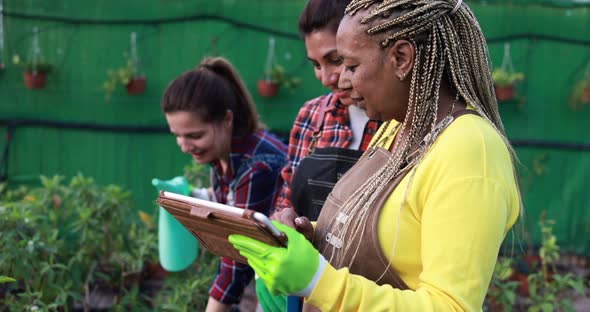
(372, 264)
(370, 261)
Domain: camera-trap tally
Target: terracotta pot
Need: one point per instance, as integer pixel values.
(586, 95)
(34, 80)
(267, 88)
(136, 85)
(504, 93)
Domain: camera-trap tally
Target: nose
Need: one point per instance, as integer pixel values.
(329, 78)
(344, 82)
(185, 147)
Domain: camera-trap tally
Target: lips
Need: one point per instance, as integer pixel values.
(197, 154)
(341, 94)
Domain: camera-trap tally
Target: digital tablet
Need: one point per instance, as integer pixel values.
(211, 223)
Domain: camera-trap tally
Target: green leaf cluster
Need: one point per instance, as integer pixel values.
(548, 289)
(279, 76)
(502, 290)
(502, 77)
(39, 66)
(65, 239)
(197, 174)
(118, 77)
(61, 240)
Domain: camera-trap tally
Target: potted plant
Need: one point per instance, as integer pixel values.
(34, 72)
(275, 79)
(584, 90)
(126, 76)
(580, 95)
(504, 82)
(502, 291)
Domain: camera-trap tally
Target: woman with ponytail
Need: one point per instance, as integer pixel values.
(213, 117)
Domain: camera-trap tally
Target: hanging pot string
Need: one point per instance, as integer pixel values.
(137, 70)
(35, 55)
(269, 59)
(507, 60)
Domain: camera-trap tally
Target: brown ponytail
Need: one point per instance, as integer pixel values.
(210, 90)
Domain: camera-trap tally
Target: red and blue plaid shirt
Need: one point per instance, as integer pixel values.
(336, 132)
(251, 181)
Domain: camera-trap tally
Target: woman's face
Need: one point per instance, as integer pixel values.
(204, 141)
(327, 65)
(370, 72)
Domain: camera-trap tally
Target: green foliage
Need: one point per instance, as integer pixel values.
(188, 290)
(280, 77)
(502, 291)
(6, 279)
(576, 100)
(502, 77)
(118, 77)
(547, 288)
(32, 66)
(197, 174)
(550, 290)
(61, 240)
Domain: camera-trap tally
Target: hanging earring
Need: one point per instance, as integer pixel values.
(401, 76)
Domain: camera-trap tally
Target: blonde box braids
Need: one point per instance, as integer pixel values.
(449, 46)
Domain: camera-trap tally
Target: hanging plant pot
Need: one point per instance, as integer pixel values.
(505, 92)
(267, 88)
(34, 80)
(586, 95)
(136, 85)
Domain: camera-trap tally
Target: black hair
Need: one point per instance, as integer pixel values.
(321, 14)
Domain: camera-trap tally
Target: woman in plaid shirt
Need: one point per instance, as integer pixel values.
(329, 134)
(212, 115)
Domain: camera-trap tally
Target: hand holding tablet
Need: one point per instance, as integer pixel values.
(212, 223)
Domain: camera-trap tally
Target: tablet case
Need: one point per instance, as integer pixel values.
(212, 227)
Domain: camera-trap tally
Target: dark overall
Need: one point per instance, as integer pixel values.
(318, 172)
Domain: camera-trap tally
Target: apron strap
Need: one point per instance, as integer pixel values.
(318, 125)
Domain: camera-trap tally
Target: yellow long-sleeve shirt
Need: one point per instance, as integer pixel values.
(459, 207)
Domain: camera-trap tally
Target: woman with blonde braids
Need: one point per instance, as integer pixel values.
(417, 223)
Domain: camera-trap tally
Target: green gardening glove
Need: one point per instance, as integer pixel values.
(268, 302)
(284, 270)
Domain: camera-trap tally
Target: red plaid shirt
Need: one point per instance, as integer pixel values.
(336, 132)
(251, 181)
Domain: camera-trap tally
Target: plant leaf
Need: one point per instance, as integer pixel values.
(6, 279)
